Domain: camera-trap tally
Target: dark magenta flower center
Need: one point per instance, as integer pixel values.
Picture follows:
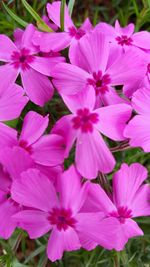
(22, 58)
(124, 40)
(148, 68)
(85, 120)
(100, 82)
(77, 33)
(62, 218)
(8, 195)
(122, 213)
(24, 145)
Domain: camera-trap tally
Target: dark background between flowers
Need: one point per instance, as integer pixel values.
(19, 251)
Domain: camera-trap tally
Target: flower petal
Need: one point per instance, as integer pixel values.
(7, 47)
(87, 25)
(106, 29)
(72, 194)
(94, 50)
(53, 41)
(44, 65)
(7, 209)
(141, 202)
(141, 101)
(61, 241)
(37, 86)
(35, 222)
(120, 114)
(69, 79)
(128, 30)
(94, 227)
(18, 37)
(93, 155)
(53, 11)
(138, 130)
(84, 99)
(15, 160)
(125, 231)
(126, 182)
(110, 97)
(34, 190)
(128, 68)
(34, 125)
(142, 39)
(8, 75)
(12, 102)
(26, 41)
(8, 136)
(98, 200)
(64, 128)
(49, 150)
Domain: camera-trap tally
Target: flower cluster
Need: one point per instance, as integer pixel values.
(104, 82)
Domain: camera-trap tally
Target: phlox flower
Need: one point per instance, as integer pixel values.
(130, 199)
(144, 82)
(20, 58)
(60, 40)
(124, 37)
(12, 102)
(85, 126)
(13, 163)
(138, 129)
(93, 68)
(60, 213)
(47, 150)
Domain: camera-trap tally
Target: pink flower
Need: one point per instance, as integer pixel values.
(47, 150)
(130, 89)
(138, 129)
(13, 163)
(130, 199)
(12, 102)
(60, 213)
(60, 40)
(84, 126)
(125, 38)
(145, 81)
(20, 59)
(52, 25)
(93, 68)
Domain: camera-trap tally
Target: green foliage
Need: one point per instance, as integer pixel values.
(14, 16)
(62, 14)
(40, 23)
(70, 6)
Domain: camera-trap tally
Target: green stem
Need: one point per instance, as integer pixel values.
(62, 14)
(116, 260)
(17, 243)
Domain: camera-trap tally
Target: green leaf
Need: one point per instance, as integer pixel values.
(40, 23)
(16, 263)
(62, 14)
(12, 123)
(70, 6)
(34, 254)
(14, 16)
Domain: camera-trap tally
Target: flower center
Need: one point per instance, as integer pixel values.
(148, 68)
(24, 145)
(85, 120)
(8, 195)
(100, 82)
(22, 58)
(62, 218)
(122, 213)
(124, 40)
(77, 33)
